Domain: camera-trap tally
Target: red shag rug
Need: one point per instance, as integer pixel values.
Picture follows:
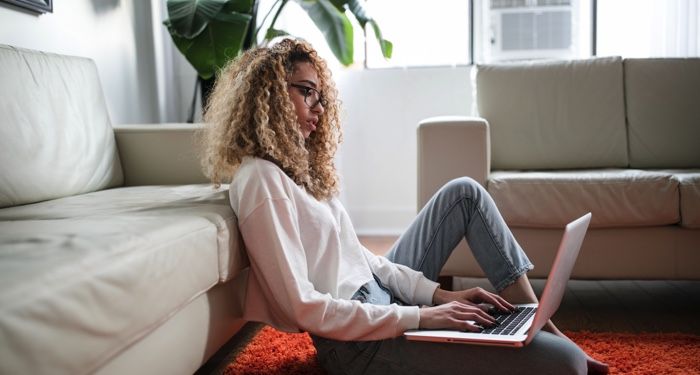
(275, 352)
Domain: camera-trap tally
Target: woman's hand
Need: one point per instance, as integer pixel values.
(462, 310)
(474, 297)
(455, 315)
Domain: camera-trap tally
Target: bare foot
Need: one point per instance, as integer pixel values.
(595, 367)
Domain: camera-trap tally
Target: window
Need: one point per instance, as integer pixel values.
(424, 33)
(443, 33)
(533, 29)
(461, 32)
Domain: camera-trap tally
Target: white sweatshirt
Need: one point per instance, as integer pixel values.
(306, 262)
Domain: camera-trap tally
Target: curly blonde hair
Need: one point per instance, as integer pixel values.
(250, 113)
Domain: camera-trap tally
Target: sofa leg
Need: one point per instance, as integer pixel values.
(446, 282)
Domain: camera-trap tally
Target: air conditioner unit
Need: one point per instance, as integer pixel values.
(522, 29)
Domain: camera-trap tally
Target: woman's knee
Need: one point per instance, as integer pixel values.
(557, 355)
(463, 186)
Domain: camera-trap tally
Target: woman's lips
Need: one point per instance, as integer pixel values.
(312, 125)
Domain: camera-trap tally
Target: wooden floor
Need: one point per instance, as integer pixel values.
(609, 305)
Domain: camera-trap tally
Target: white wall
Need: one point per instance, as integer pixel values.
(115, 33)
(377, 159)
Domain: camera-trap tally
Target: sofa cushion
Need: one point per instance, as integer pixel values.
(616, 197)
(56, 139)
(97, 272)
(663, 113)
(689, 185)
(184, 200)
(554, 114)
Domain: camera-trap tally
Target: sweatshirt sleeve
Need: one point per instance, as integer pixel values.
(278, 261)
(406, 283)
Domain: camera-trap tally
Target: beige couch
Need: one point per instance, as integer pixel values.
(556, 139)
(116, 257)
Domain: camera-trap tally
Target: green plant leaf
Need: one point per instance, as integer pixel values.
(239, 6)
(386, 46)
(359, 11)
(334, 25)
(218, 43)
(357, 8)
(188, 18)
(274, 33)
(339, 4)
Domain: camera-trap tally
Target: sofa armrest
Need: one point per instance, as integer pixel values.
(159, 154)
(451, 147)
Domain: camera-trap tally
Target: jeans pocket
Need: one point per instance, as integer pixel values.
(361, 295)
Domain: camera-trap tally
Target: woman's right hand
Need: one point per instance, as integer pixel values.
(454, 315)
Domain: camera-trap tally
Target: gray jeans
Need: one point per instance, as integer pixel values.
(461, 209)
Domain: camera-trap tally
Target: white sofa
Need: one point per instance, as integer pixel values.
(116, 256)
(555, 139)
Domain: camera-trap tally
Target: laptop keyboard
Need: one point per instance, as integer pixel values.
(510, 323)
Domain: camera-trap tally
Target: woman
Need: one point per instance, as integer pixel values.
(274, 128)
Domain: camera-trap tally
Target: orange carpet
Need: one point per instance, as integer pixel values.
(275, 352)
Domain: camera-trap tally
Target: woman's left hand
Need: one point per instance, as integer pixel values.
(475, 297)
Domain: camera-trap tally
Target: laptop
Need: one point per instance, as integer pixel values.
(519, 328)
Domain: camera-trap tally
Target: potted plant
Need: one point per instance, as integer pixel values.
(209, 33)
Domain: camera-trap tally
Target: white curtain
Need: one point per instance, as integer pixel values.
(649, 28)
(680, 29)
(175, 77)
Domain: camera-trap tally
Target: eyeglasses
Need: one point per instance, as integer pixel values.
(311, 96)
